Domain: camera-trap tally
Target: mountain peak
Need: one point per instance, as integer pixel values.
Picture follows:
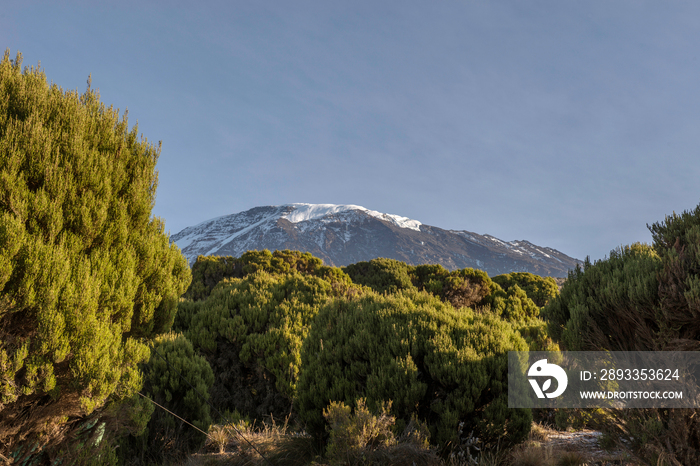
(305, 212)
(346, 234)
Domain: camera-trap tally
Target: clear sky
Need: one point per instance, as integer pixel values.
(568, 124)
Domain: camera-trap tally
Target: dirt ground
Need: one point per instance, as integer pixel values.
(586, 443)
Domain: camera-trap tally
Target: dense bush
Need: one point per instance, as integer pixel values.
(441, 365)
(641, 298)
(461, 288)
(610, 305)
(382, 275)
(251, 330)
(539, 289)
(677, 242)
(208, 271)
(179, 379)
(86, 274)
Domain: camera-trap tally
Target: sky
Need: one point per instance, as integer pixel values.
(571, 125)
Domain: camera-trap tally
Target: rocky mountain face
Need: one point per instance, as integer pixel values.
(346, 234)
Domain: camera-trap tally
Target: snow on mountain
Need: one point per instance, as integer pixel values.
(345, 234)
(305, 212)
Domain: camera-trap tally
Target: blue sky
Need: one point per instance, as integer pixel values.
(568, 124)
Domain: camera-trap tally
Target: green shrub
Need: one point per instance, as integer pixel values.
(466, 288)
(208, 271)
(539, 289)
(382, 275)
(251, 331)
(610, 304)
(429, 277)
(441, 365)
(86, 274)
(179, 379)
(640, 298)
(461, 288)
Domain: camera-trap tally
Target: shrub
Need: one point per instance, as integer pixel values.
(465, 288)
(86, 274)
(610, 304)
(208, 271)
(641, 298)
(251, 331)
(539, 289)
(441, 365)
(178, 379)
(461, 288)
(382, 275)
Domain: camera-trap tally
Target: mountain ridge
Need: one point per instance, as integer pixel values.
(346, 234)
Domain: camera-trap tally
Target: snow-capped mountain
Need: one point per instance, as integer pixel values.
(346, 234)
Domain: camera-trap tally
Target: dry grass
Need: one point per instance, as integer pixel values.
(540, 433)
(570, 458)
(532, 455)
(281, 445)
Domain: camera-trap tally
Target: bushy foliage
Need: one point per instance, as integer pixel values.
(677, 243)
(251, 330)
(461, 288)
(641, 298)
(465, 287)
(85, 272)
(609, 305)
(361, 437)
(382, 275)
(512, 304)
(441, 365)
(179, 379)
(539, 289)
(208, 271)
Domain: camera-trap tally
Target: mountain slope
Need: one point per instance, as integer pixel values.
(346, 234)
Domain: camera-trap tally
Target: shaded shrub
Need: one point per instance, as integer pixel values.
(251, 331)
(176, 378)
(465, 287)
(461, 288)
(641, 298)
(382, 275)
(441, 365)
(610, 304)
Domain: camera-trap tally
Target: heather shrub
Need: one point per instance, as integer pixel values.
(179, 379)
(208, 271)
(610, 304)
(461, 288)
(361, 437)
(382, 275)
(539, 289)
(465, 287)
(251, 331)
(87, 275)
(641, 298)
(433, 362)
